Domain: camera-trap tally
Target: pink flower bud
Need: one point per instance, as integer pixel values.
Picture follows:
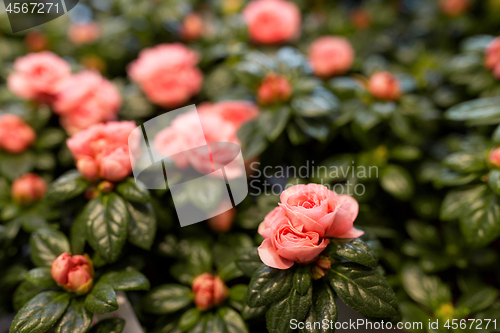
(15, 135)
(384, 85)
(274, 88)
(208, 291)
(28, 188)
(331, 56)
(492, 54)
(494, 158)
(73, 273)
(220, 291)
(192, 27)
(454, 8)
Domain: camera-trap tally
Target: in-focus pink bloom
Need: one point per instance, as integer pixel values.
(274, 88)
(101, 151)
(85, 33)
(85, 99)
(298, 230)
(167, 74)
(37, 76)
(331, 56)
(454, 8)
(209, 290)
(28, 188)
(272, 21)
(15, 135)
(192, 27)
(73, 273)
(384, 85)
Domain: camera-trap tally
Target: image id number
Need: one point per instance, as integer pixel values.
(33, 8)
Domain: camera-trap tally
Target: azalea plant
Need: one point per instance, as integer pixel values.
(303, 157)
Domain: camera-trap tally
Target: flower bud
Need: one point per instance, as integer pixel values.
(106, 186)
(454, 8)
(361, 19)
(208, 291)
(29, 188)
(324, 262)
(220, 291)
(192, 27)
(274, 88)
(384, 85)
(317, 272)
(36, 41)
(222, 222)
(73, 273)
(494, 158)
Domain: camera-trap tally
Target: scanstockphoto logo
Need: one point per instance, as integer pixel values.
(171, 152)
(24, 14)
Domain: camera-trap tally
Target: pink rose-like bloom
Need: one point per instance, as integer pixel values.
(85, 33)
(15, 135)
(28, 188)
(167, 74)
(192, 27)
(492, 57)
(494, 158)
(235, 112)
(86, 99)
(73, 273)
(274, 88)
(331, 56)
(384, 85)
(454, 8)
(298, 229)
(36, 76)
(272, 21)
(101, 151)
(208, 291)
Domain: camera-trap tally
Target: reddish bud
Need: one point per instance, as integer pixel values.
(274, 88)
(222, 222)
(86, 33)
(36, 41)
(73, 273)
(324, 262)
(384, 85)
(208, 291)
(494, 158)
(220, 291)
(106, 186)
(454, 8)
(361, 19)
(192, 27)
(317, 272)
(28, 188)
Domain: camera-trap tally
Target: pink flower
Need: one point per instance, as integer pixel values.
(36, 76)
(73, 273)
(208, 291)
(167, 74)
(15, 135)
(28, 188)
(192, 27)
(101, 151)
(86, 33)
(454, 8)
(492, 54)
(298, 229)
(272, 21)
(235, 112)
(384, 85)
(86, 99)
(331, 56)
(494, 158)
(274, 88)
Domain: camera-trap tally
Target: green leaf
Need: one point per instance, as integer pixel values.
(465, 162)
(424, 289)
(126, 280)
(478, 300)
(454, 203)
(355, 250)
(492, 313)
(40, 313)
(76, 319)
(397, 181)
(24, 292)
(494, 181)
(249, 261)
(273, 121)
(66, 187)
(423, 233)
(238, 296)
(110, 325)
(107, 225)
(77, 234)
(33, 222)
(302, 279)
(50, 138)
(315, 128)
(481, 111)
(269, 285)
(101, 299)
(167, 298)
(232, 320)
(13, 166)
(46, 245)
(412, 313)
(292, 306)
(199, 258)
(364, 289)
(41, 277)
(205, 193)
(142, 224)
(133, 191)
(320, 103)
(323, 307)
(253, 140)
(249, 313)
(189, 319)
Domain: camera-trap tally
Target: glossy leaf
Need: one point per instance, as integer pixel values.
(76, 319)
(269, 285)
(126, 280)
(167, 298)
(101, 299)
(355, 250)
(132, 191)
(46, 246)
(110, 325)
(66, 187)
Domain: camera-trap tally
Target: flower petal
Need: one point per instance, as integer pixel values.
(270, 257)
(353, 233)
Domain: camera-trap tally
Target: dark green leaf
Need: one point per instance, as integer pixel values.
(66, 187)
(355, 250)
(253, 140)
(249, 261)
(189, 319)
(478, 300)
(78, 234)
(24, 292)
(76, 319)
(269, 285)
(494, 181)
(142, 224)
(131, 191)
(323, 307)
(423, 233)
(424, 289)
(126, 280)
(465, 162)
(41, 277)
(101, 299)
(46, 245)
(273, 121)
(482, 111)
(13, 166)
(232, 320)
(412, 313)
(292, 306)
(40, 313)
(167, 298)
(199, 258)
(397, 181)
(302, 279)
(110, 325)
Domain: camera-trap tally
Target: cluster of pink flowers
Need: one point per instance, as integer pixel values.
(298, 229)
(384, 85)
(28, 188)
(101, 151)
(331, 56)
(492, 60)
(220, 123)
(209, 290)
(167, 74)
(272, 21)
(15, 135)
(73, 273)
(81, 100)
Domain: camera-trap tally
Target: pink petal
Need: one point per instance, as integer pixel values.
(343, 223)
(350, 204)
(270, 257)
(353, 233)
(303, 253)
(297, 219)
